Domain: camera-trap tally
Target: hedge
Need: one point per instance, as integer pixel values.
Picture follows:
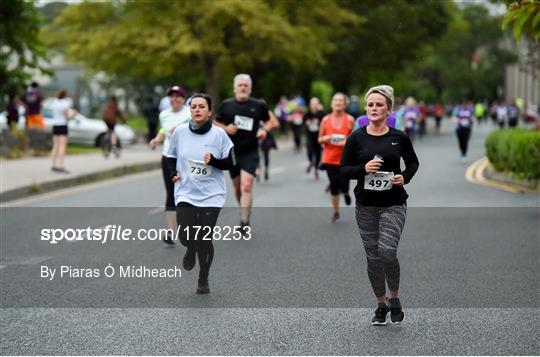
(516, 151)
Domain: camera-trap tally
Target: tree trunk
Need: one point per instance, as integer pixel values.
(211, 76)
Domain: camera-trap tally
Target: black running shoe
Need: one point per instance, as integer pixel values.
(203, 288)
(396, 313)
(189, 259)
(380, 315)
(347, 199)
(169, 240)
(244, 228)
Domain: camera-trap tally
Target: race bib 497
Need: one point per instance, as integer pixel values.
(378, 181)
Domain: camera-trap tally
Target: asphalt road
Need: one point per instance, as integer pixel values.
(468, 256)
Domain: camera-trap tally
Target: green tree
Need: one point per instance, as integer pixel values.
(392, 35)
(164, 39)
(20, 48)
(465, 62)
(524, 17)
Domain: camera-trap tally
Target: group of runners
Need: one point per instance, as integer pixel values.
(198, 149)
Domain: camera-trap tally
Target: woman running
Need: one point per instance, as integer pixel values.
(411, 116)
(197, 155)
(267, 144)
(297, 123)
(312, 122)
(169, 119)
(372, 156)
(333, 133)
(463, 116)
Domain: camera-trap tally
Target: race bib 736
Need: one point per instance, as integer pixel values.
(198, 168)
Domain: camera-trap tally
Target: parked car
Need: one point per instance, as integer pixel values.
(82, 130)
(87, 131)
(531, 113)
(20, 124)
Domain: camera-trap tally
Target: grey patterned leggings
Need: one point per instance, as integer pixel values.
(380, 230)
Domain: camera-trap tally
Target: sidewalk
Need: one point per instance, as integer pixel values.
(20, 178)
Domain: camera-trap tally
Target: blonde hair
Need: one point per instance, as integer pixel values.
(344, 96)
(410, 102)
(384, 90)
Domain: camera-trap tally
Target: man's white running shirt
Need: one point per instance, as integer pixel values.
(168, 120)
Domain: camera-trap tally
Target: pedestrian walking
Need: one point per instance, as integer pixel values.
(32, 100)
(12, 110)
(62, 112)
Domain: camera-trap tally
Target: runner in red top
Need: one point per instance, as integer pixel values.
(334, 130)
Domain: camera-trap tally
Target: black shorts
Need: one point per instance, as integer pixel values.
(247, 161)
(60, 130)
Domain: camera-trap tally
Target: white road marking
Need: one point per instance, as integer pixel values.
(156, 210)
(23, 261)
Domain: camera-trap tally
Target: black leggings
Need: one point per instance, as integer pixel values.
(297, 134)
(188, 216)
(337, 182)
(463, 135)
(313, 151)
(169, 186)
(266, 157)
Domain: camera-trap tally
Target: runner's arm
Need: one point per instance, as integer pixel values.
(219, 117)
(323, 138)
(170, 155)
(411, 161)
(272, 123)
(220, 124)
(351, 167)
(224, 164)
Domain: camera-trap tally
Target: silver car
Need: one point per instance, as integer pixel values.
(86, 131)
(81, 130)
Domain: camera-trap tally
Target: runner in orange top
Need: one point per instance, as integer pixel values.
(334, 130)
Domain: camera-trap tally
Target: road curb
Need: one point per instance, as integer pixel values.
(479, 173)
(43, 187)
